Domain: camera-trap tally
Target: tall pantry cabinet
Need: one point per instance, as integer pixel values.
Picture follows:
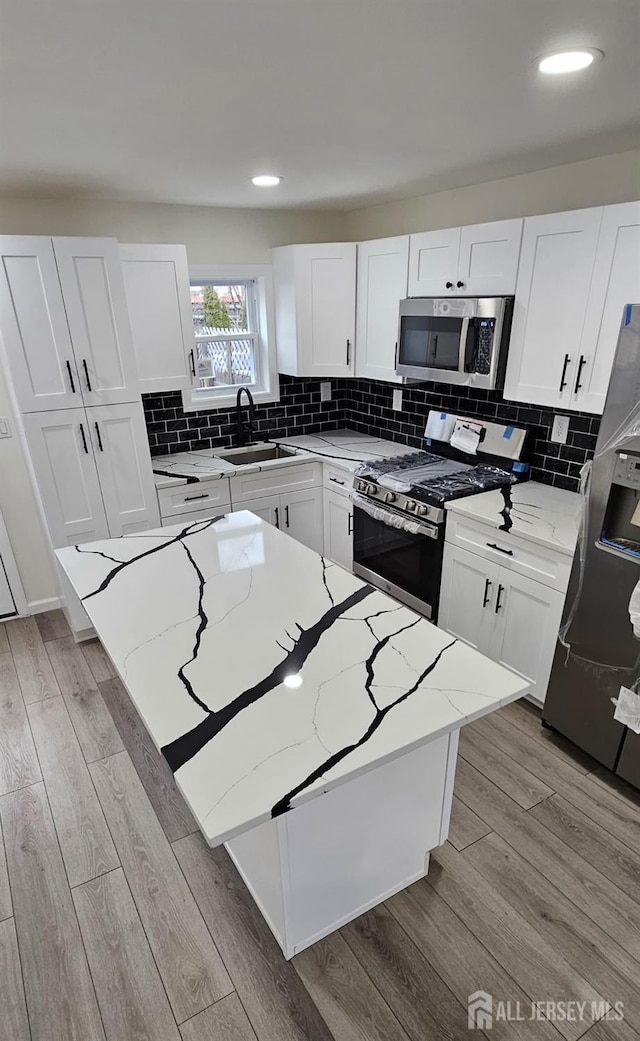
(67, 342)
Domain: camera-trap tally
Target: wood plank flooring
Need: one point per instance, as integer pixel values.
(118, 922)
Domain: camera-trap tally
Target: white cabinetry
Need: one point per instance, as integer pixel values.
(497, 609)
(156, 280)
(93, 472)
(476, 260)
(65, 324)
(338, 528)
(381, 285)
(315, 294)
(289, 497)
(577, 271)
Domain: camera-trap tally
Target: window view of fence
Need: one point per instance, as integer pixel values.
(225, 329)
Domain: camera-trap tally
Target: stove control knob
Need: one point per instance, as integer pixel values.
(390, 497)
(372, 489)
(410, 506)
(421, 509)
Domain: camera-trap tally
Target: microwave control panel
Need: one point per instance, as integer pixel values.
(627, 470)
(486, 329)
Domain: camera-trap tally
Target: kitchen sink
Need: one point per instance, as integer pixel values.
(255, 454)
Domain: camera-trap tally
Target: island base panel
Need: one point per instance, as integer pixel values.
(329, 860)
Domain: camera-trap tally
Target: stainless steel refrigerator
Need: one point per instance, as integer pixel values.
(597, 652)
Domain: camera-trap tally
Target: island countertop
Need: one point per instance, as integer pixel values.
(265, 674)
(537, 512)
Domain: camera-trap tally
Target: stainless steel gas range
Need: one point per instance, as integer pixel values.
(399, 510)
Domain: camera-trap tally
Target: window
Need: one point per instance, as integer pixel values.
(234, 341)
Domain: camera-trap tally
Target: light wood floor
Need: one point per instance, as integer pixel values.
(118, 923)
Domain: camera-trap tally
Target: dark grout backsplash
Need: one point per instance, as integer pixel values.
(365, 406)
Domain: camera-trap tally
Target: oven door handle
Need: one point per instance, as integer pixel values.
(462, 350)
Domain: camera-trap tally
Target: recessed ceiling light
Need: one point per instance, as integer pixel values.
(266, 180)
(568, 61)
(293, 680)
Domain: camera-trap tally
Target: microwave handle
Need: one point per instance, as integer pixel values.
(464, 332)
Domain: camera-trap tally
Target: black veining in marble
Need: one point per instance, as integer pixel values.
(187, 478)
(507, 522)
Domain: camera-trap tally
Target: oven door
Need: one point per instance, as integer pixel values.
(405, 564)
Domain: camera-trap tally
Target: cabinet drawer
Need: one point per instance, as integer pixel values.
(274, 480)
(185, 519)
(191, 498)
(337, 480)
(510, 551)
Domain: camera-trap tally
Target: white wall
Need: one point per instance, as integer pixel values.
(210, 235)
(593, 182)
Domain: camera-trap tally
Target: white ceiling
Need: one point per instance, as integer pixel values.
(352, 101)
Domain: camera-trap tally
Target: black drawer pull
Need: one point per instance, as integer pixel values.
(348, 352)
(193, 363)
(335, 480)
(563, 381)
(350, 524)
(73, 386)
(486, 597)
(492, 545)
(581, 364)
(86, 374)
(500, 592)
(191, 498)
(277, 513)
(99, 438)
(84, 440)
(286, 516)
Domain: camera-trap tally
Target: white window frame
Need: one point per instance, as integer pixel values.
(266, 387)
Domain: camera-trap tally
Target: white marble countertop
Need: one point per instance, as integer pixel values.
(538, 512)
(344, 448)
(265, 674)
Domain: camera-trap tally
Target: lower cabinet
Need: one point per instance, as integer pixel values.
(338, 528)
(510, 618)
(298, 513)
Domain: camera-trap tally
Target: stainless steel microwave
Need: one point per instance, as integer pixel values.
(460, 340)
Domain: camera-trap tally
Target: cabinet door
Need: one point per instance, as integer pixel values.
(33, 326)
(93, 289)
(433, 262)
(616, 282)
(121, 450)
(338, 528)
(301, 517)
(7, 605)
(65, 469)
(267, 507)
(326, 308)
(488, 262)
(527, 620)
(554, 280)
(467, 595)
(156, 281)
(382, 284)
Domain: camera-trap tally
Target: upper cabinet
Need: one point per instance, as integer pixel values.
(156, 280)
(34, 326)
(93, 290)
(577, 270)
(382, 284)
(64, 321)
(615, 283)
(477, 260)
(315, 294)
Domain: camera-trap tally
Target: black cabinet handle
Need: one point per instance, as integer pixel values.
(350, 524)
(84, 440)
(563, 381)
(487, 587)
(335, 480)
(193, 362)
(286, 516)
(581, 364)
(190, 498)
(348, 352)
(449, 285)
(277, 512)
(492, 545)
(99, 438)
(500, 592)
(460, 285)
(86, 374)
(73, 386)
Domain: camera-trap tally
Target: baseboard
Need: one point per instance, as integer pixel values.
(51, 603)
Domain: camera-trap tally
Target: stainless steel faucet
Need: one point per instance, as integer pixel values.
(244, 431)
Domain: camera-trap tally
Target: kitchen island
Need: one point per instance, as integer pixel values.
(310, 720)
